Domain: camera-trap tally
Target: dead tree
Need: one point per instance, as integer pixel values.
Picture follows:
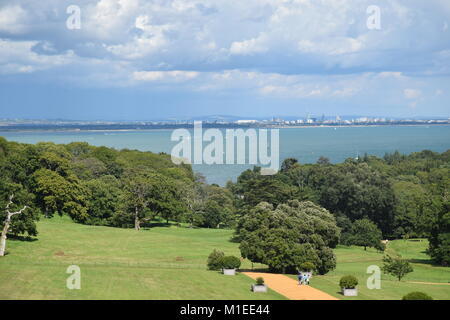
(6, 225)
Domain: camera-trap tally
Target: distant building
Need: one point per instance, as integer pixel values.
(246, 121)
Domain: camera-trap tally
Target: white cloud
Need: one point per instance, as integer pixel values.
(13, 19)
(247, 47)
(298, 49)
(18, 57)
(412, 93)
(164, 75)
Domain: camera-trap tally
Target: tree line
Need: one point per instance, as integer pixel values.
(371, 198)
(359, 201)
(104, 186)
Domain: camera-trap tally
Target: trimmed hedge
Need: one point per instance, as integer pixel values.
(230, 262)
(417, 296)
(348, 282)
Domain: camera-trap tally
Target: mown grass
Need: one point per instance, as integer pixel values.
(170, 263)
(156, 263)
(355, 261)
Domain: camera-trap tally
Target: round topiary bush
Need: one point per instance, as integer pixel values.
(307, 266)
(417, 296)
(348, 282)
(215, 260)
(230, 262)
(259, 281)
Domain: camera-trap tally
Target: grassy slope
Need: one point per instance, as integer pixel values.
(354, 260)
(169, 263)
(159, 263)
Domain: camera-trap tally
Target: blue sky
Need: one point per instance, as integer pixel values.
(139, 60)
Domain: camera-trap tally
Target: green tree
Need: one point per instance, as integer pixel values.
(218, 208)
(366, 234)
(214, 261)
(148, 194)
(396, 266)
(411, 201)
(7, 223)
(58, 194)
(103, 199)
(288, 236)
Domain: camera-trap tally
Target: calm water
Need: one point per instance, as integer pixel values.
(305, 144)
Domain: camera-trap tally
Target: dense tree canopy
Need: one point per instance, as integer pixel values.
(288, 236)
(403, 195)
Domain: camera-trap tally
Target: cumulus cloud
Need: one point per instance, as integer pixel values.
(19, 57)
(13, 19)
(303, 49)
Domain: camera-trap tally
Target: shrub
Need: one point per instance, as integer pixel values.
(348, 282)
(230, 262)
(259, 281)
(215, 260)
(417, 296)
(307, 266)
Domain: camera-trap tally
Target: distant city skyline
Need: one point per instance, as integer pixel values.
(144, 60)
(232, 118)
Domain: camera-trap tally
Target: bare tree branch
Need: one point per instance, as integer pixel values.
(10, 202)
(17, 212)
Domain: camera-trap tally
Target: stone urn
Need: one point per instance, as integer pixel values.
(229, 272)
(259, 288)
(350, 292)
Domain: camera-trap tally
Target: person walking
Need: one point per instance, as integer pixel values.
(300, 278)
(308, 277)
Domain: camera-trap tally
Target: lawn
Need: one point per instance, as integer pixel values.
(170, 263)
(156, 263)
(354, 260)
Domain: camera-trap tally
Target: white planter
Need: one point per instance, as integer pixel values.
(229, 272)
(259, 288)
(350, 292)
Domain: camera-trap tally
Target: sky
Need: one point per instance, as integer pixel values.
(155, 59)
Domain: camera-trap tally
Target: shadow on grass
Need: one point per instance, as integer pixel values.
(429, 262)
(21, 238)
(259, 270)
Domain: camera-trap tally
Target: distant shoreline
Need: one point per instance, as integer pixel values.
(52, 129)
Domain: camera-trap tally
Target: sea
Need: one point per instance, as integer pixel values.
(305, 144)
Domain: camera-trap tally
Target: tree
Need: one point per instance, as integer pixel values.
(218, 208)
(7, 223)
(194, 195)
(410, 211)
(148, 194)
(288, 164)
(58, 194)
(266, 189)
(103, 199)
(323, 161)
(438, 208)
(397, 267)
(366, 234)
(288, 236)
(214, 261)
(136, 197)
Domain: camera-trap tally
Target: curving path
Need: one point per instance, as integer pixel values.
(289, 287)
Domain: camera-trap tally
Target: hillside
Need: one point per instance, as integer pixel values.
(156, 263)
